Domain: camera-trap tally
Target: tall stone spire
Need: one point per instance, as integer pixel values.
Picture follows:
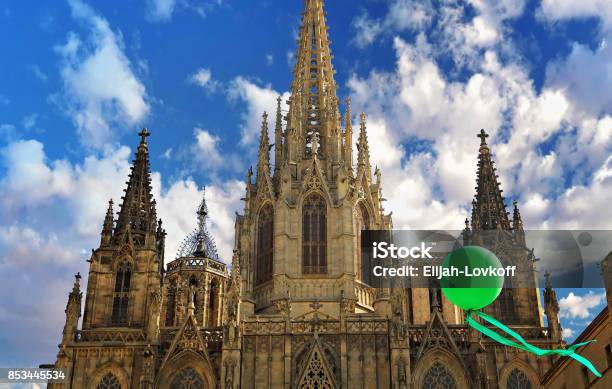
(488, 208)
(348, 136)
(263, 163)
(278, 136)
(137, 211)
(363, 149)
(107, 228)
(313, 104)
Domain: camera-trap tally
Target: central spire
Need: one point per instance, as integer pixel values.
(137, 212)
(488, 207)
(313, 104)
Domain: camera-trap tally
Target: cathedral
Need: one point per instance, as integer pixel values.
(294, 309)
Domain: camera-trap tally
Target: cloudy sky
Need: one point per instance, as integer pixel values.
(80, 79)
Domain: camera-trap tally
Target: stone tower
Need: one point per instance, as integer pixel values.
(519, 302)
(123, 289)
(299, 236)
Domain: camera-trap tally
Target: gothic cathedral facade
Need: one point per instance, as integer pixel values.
(293, 311)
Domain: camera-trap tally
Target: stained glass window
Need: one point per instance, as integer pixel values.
(212, 303)
(518, 380)
(187, 379)
(170, 306)
(438, 377)
(109, 381)
(314, 235)
(265, 245)
(123, 278)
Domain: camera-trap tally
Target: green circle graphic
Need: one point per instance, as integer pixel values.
(467, 291)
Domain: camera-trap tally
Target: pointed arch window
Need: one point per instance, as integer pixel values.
(517, 379)
(265, 245)
(362, 222)
(314, 235)
(170, 305)
(123, 279)
(438, 377)
(187, 379)
(213, 304)
(109, 381)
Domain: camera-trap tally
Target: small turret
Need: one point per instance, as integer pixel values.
(551, 308)
(517, 225)
(107, 228)
(73, 311)
(348, 137)
(263, 163)
(278, 138)
(363, 149)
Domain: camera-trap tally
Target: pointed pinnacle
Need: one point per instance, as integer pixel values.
(347, 117)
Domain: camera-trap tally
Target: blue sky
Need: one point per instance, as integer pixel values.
(80, 78)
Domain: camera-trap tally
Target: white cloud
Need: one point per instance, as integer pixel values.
(540, 140)
(585, 75)
(160, 10)
(258, 99)
(269, 59)
(23, 246)
(568, 333)
(30, 121)
(574, 306)
(462, 27)
(39, 74)
(402, 15)
(168, 153)
(203, 78)
(206, 149)
(100, 91)
(570, 9)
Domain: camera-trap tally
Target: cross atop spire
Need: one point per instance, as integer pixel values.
(143, 135)
(483, 137)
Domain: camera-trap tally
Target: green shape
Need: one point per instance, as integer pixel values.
(471, 292)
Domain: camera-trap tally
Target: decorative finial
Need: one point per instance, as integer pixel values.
(264, 121)
(77, 284)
